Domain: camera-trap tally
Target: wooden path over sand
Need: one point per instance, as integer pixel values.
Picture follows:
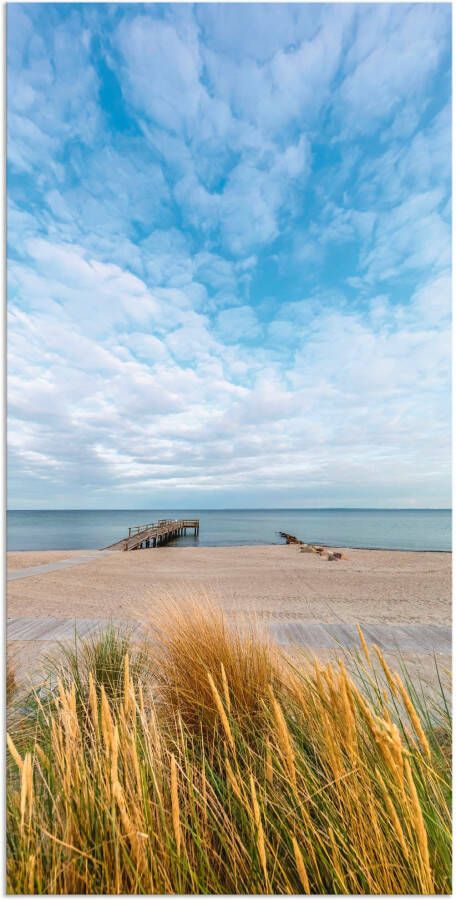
(29, 571)
(314, 635)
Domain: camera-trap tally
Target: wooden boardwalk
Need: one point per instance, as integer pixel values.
(413, 638)
(50, 628)
(314, 635)
(155, 534)
(30, 571)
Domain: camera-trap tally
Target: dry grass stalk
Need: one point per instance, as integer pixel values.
(106, 719)
(221, 711)
(14, 752)
(258, 828)
(303, 877)
(93, 703)
(31, 875)
(395, 821)
(226, 691)
(388, 673)
(115, 755)
(175, 804)
(348, 715)
(127, 686)
(268, 762)
(26, 789)
(283, 737)
(232, 780)
(10, 679)
(412, 714)
(420, 830)
(364, 645)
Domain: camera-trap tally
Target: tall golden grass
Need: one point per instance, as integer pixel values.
(10, 679)
(218, 767)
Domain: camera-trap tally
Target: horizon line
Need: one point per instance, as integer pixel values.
(241, 509)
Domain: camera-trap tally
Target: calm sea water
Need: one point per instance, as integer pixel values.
(417, 529)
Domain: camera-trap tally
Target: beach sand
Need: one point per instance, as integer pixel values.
(275, 580)
(21, 559)
(273, 583)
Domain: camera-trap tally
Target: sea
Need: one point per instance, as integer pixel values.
(84, 529)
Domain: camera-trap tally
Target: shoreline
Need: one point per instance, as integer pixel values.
(179, 546)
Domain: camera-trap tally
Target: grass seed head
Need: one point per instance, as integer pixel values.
(259, 828)
(221, 711)
(303, 877)
(413, 716)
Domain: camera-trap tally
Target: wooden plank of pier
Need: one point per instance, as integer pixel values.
(155, 534)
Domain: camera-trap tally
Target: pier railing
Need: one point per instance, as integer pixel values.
(154, 534)
(182, 523)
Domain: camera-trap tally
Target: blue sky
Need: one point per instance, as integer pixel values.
(229, 255)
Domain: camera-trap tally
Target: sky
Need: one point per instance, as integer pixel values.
(228, 255)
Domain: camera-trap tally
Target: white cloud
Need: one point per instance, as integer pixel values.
(52, 97)
(293, 84)
(163, 78)
(161, 71)
(183, 318)
(412, 235)
(381, 74)
(238, 324)
(128, 410)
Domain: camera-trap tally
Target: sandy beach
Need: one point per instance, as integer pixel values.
(22, 559)
(268, 581)
(276, 585)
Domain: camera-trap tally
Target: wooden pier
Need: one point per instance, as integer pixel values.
(155, 534)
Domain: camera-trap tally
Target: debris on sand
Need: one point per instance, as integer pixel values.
(323, 552)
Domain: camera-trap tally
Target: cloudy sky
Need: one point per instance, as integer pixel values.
(229, 255)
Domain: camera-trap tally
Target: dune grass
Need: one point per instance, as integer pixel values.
(216, 766)
(102, 656)
(10, 679)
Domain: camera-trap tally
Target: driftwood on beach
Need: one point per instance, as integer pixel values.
(324, 552)
(289, 538)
